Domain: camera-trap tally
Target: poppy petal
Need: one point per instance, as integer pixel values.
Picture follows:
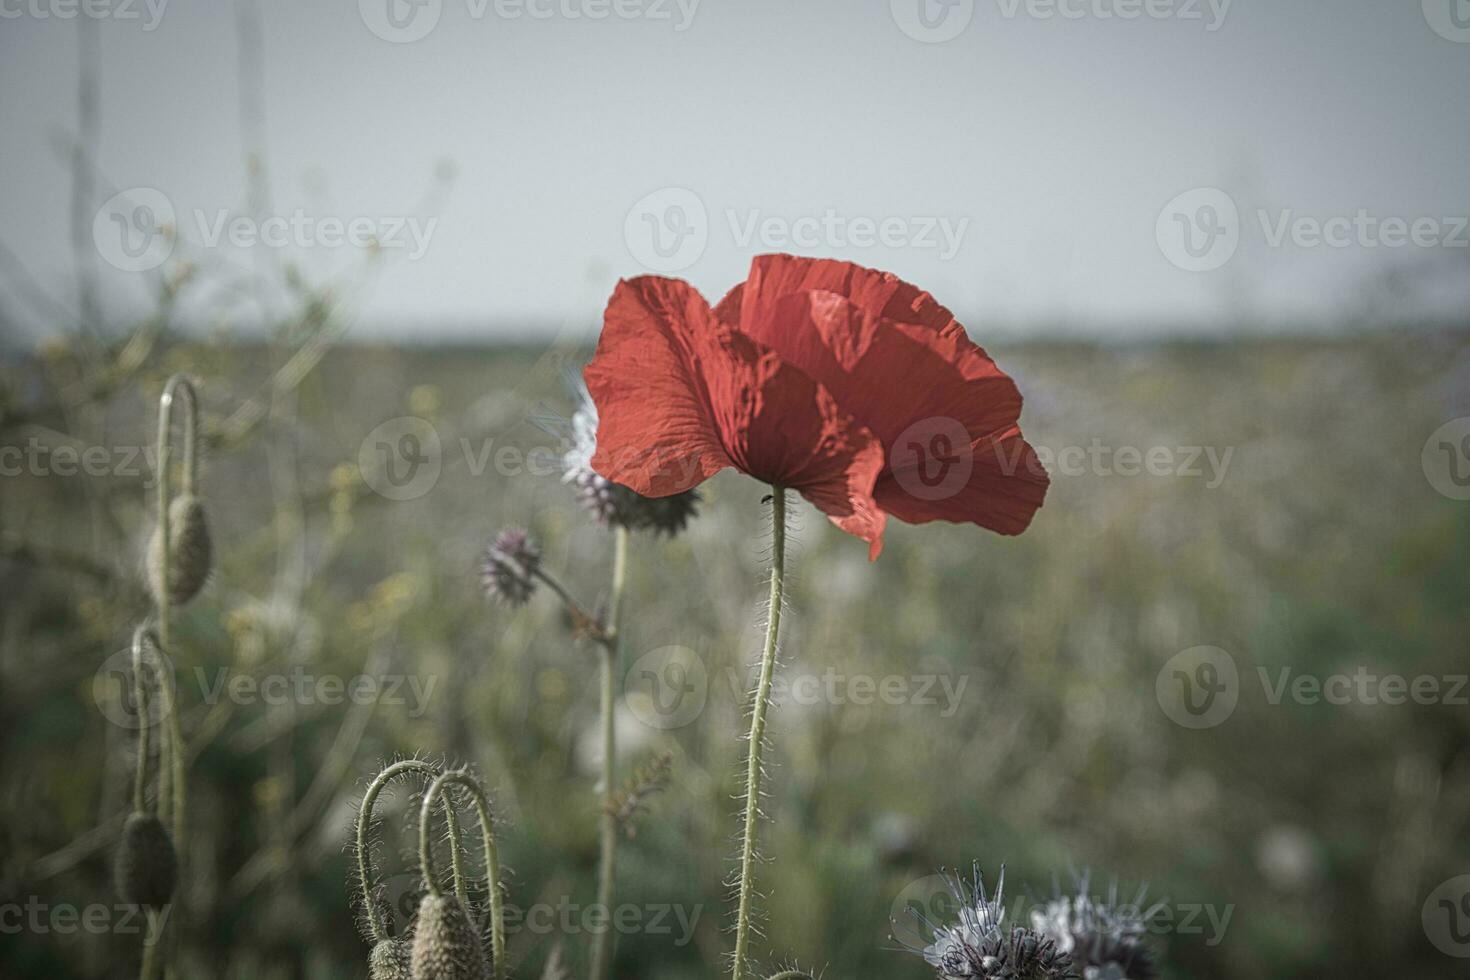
(712, 397)
(879, 294)
(655, 434)
(953, 447)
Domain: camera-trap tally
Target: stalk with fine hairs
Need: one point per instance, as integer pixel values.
(492, 856)
(758, 732)
(602, 944)
(163, 574)
(388, 949)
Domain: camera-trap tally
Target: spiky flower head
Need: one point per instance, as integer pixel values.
(979, 947)
(509, 567)
(612, 503)
(1103, 935)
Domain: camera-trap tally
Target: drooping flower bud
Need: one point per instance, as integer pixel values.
(445, 943)
(190, 552)
(147, 868)
(389, 960)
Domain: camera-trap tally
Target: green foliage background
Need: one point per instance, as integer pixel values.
(1320, 828)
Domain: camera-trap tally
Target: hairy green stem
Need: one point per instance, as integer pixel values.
(140, 705)
(602, 944)
(365, 877)
(492, 856)
(758, 732)
(176, 386)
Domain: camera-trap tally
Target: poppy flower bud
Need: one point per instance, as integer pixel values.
(147, 869)
(389, 960)
(509, 567)
(445, 943)
(190, 556)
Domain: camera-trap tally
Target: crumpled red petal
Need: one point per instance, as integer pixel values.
(946, 414)
(681, 395)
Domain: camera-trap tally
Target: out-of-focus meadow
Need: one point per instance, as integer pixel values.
(1284, 517)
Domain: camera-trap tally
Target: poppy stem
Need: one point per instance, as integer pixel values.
(602, 946)
(758, 731)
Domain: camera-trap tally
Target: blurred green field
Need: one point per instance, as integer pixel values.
(1316, 544)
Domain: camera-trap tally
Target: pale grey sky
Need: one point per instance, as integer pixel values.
(1034, 163)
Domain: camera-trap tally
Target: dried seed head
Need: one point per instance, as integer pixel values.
(509, 567)
(445, 943)
(147, 869)
(190, 555)
(389, 960)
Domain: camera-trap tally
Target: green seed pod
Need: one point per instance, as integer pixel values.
(191, 552)
(147, 869)
(445, 943)
(389, 960)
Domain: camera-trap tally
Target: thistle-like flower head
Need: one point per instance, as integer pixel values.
(509, 567)
(612, 503)
(979, 947)
(1105, 936)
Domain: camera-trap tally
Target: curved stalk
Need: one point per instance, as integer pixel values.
(758, 732)
(602, 944)
(365, 872)
(492, 856)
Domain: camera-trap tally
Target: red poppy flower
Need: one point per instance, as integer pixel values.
(845, 384)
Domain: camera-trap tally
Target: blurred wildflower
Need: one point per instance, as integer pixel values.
(1105, 937)
(612, 503)
(510, 566)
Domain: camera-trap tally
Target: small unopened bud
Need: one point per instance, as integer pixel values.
(389, 960)
(147, 869)
(190, 556)
(445, 943)
(510, 566)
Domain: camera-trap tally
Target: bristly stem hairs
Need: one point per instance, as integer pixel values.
(753, 771)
